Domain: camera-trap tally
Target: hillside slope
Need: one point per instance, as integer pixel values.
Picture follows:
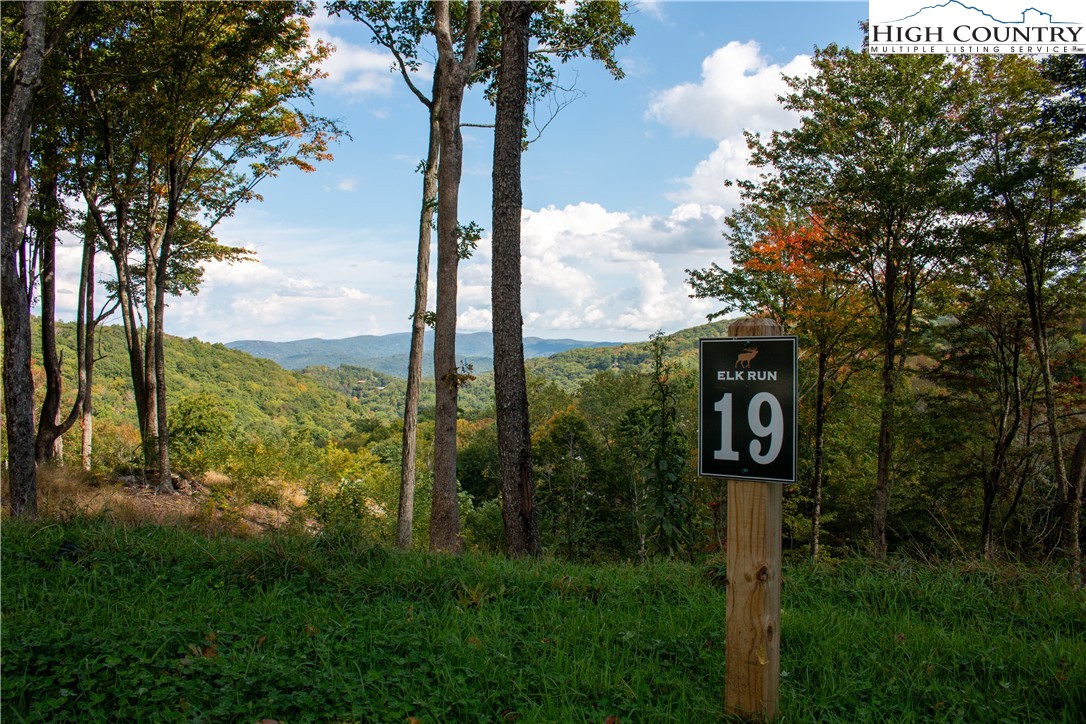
(260, 395)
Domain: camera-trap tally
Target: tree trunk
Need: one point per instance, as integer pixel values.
(510, 385)
(1077, 481)
(118, 246)
(818, 474)
(54, 380)
(881, 501)
(86, 421)
(1067, 498)
(18, 380)
(51, 427)
(150, 410)
(454, 76)
(406, 513)
(165, 484)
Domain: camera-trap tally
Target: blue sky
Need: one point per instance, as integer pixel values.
(622, 193)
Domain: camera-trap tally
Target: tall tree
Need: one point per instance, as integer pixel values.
(454, 73)
(38, 33)
(594, 29)
(782, 269)
(400, 27)
(15, 197)
(519, 515)
(193, 106)
(1027, 161)
(875, 160)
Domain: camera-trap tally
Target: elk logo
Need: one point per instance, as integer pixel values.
(746, 356)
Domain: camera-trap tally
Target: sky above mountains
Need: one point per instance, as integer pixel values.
(623, 192)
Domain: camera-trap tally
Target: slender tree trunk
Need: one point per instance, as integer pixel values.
(118, 246)
(132, 337)
(406, 513)
(51, 426)
(885, 451)
(1033, 274)
(818, 474)
(86, 422)
(454, 76)
(1077, 481)
(510, 385)
(47, 250)
(165, 483)
(18, 380)
(150, 411)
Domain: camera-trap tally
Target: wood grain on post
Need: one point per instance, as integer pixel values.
(752, 657)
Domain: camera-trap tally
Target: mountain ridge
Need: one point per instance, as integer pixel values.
(388, 353)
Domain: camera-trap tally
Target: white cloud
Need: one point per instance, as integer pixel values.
(348, 184)
(654, 8)
(269, 303)
(587, 268)
(738, 91)
(357, 70)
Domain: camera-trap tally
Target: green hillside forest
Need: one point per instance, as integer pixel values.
(595, 414)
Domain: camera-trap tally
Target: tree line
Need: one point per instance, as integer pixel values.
(163, 118)
(921, 231)
(137, 127)
(930, 206)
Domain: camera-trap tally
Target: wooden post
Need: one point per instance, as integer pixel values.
(752, 659)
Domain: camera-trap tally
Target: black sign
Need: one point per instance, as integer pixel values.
(747, 408)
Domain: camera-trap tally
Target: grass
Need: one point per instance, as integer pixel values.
(118, 622)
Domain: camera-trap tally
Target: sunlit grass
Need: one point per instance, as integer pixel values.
(107, 621)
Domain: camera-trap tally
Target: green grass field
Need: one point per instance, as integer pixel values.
(103, 622)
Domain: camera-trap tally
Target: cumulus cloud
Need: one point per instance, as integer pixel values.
(357, 70)
(269, 303)
(587, 268)
(738, 90)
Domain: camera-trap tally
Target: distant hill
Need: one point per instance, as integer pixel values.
(263, 398)
(388, 353)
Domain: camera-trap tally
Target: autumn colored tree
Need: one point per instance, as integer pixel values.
(875, 161)
(785, 270)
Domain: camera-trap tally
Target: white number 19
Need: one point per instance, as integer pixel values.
(774, 430)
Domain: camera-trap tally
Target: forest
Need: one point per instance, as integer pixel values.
(921, 232)
(926, 250)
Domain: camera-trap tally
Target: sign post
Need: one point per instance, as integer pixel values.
(747, 420)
